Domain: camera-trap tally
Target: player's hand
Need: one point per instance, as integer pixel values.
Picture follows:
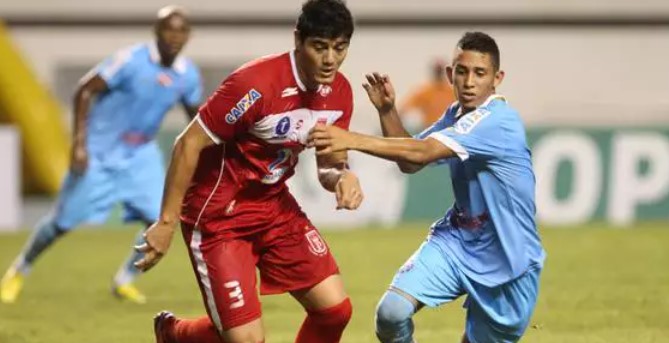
(329, 139)
(157, 240)
(348, 192)
(79, 159)
(380, 91)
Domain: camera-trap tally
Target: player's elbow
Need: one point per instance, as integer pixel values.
(420, 155)
(409, 168)
(82, 93)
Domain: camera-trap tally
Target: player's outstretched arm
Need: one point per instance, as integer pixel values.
(420, 152)
(185, 155)
(382, 95)
(87, 90)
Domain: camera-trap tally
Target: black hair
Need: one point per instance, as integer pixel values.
(481, 42)
(326, 19)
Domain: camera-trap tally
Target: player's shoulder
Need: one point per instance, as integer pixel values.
(186, 66)
(262, 73)
(496, 103)
(341, 82)
(130, 52)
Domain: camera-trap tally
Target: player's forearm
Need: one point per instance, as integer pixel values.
(391, 124)
(179, 174)
(394, 149)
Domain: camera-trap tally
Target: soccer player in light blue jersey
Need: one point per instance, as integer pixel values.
(118, 109)
(486, 245)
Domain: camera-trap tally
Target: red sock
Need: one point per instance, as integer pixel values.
(325, 326)
(199, 330)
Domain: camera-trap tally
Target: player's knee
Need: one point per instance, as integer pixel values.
(393, 318)
(393, 309)
(343, 313)
(337, 316)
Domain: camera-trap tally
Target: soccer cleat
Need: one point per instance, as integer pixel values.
(129, 292)
(162, 323)
(10, 286)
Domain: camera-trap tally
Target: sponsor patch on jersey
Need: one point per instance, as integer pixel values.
(282, 127)
(242, 106)
(467, 123)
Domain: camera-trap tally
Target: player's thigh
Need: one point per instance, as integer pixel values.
(86, 198)
(501, 314)
(297, 259)
(429, 276)
(142, 185)
(226, 274)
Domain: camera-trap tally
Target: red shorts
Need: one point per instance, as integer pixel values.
(290, 257)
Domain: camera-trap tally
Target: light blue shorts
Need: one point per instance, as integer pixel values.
(494, 315)
(135, 180)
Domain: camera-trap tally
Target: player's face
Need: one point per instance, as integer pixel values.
(172, 34)
(320, 59)
(474, 77)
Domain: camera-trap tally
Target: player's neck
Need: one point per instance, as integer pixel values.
(302, 74)
(167, 61)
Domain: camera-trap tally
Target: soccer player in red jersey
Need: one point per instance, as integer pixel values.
(226, 182)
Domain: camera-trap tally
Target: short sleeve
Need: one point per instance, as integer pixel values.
(193, 93)
(477, 135)
(231, 110)
(115, 69)
(344, 121)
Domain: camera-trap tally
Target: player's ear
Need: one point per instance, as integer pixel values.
(499, 76)
(298, 41)
(449, 74)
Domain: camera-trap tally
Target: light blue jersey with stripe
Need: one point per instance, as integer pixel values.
(490, 230)
(141, 91)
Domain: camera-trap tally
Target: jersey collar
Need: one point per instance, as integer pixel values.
(296, 75)
(487, 102)
(179, 64)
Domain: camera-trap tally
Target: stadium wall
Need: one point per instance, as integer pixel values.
(580, 88)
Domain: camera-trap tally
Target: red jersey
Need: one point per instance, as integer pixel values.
(260, 117)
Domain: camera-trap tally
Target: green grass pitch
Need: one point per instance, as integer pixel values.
(599, 285)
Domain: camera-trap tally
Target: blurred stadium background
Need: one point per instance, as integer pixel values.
(589, 77)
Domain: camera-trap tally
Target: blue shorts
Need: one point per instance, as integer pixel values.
(135, 179)
(498, 314)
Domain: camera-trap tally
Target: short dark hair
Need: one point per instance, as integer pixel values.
(481, 42)
(325, 19)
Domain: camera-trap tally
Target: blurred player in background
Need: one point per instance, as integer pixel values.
(426, 104)
(487, 245)
(226, 182)
(115, 157)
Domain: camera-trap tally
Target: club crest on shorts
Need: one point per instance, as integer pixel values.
(316, 244)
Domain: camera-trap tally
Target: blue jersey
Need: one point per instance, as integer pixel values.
(490, 230)
(141, 91)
